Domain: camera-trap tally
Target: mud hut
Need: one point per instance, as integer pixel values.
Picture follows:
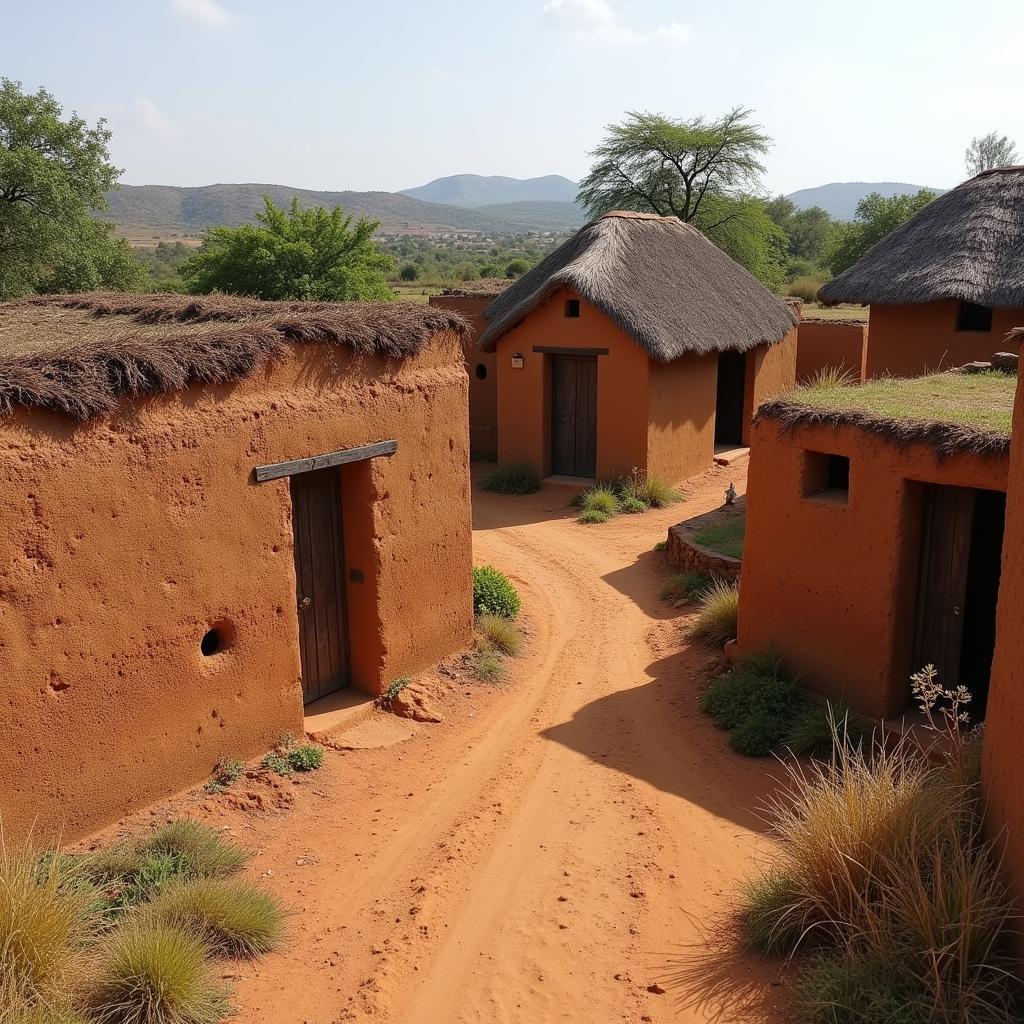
(874, 535)
(213, 511)
(945, 287)
(637, 344)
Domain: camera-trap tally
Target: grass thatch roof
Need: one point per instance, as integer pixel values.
(967, 245)
(78, 354)
(660, 280)
(950, 412)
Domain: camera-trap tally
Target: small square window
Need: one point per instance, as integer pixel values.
(572, 308)
(826, 477)
(972, 317)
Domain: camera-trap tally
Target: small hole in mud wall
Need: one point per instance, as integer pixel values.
(481, 371)
(827, 476)
(211, 643)
(572, 308)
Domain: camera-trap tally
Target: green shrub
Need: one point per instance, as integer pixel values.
(655, 492)
(225, 772)
(232, 918)
(685, 584)
(631, 505)
(487, 666)
(715, 623)
(512, 479)
(501, 633)
(395, 687)
(206, 852)
(155, 974)
(306, 757)
(662, 545)
(276, 763)
(593, 517)
(493, 594)
(805, 288)
(600, 499)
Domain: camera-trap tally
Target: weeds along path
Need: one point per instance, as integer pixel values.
(563, 847)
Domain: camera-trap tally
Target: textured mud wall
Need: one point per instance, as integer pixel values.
(830, 344)
(908, 341)
(125, 540)
(831, 587)
(1003, 763)
(681, 430)
(483, 375)
(770, 373)
(524, 394)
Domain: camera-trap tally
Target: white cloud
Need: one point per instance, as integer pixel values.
(598, 21)
(207, 13)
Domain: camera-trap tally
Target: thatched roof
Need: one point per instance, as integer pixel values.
(78, 354)
(968, 244)
(660, 280)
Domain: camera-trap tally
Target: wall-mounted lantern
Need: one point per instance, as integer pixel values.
(517, 360)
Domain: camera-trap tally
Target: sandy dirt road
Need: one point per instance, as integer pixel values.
(562, 847)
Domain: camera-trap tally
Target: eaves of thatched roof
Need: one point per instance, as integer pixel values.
(967, 245)
(660, 280)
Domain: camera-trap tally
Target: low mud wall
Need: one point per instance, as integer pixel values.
(827, 344)
(686, 555)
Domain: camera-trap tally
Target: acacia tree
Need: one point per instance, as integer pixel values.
(875, 217)
(988, 151)
(312, 254)
(53, 174)
(703, 171)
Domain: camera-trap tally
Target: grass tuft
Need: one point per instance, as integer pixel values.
(487, 666)
(601, 498)
(715, 623)
(726, 536)
(685, 584)
(652, 491)
(501, 634)
(662, 545)
(514, 478)
(306, 757)
(814, 730)
(593, 517)
(232, 918)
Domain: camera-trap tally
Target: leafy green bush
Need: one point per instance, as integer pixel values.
(501, 634)
(155, 974)
(395, 687)
(225, 772)
(232, 918)
(593, 517)
(715, 623)
(276, 763)
(493, 593)
(685, 584)
(306, 757)
(600, 499)
(513, 478)
(662, 545)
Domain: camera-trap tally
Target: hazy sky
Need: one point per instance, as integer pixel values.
(386, 94)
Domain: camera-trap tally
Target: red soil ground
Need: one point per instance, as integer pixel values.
(564, 846)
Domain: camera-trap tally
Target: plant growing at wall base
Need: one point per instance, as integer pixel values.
(395, 687)
(511, 478)
(306, 757)
(602, 499)
(493, 593)
(688, 584)
(715, 623)
(593, 517)
(501, 634)
(225, 773)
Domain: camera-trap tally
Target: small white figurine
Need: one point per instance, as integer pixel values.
(730, 494)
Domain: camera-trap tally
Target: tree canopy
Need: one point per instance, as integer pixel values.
(988, 151)
(875, 217)
(53, 173)
(314, 254)
(703, 171)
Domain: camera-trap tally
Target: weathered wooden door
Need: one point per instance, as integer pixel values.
(574, 416)
(731, 397)
(942, 587)
(319, 581)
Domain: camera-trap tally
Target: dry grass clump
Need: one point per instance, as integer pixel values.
(716, 621)
(501, 633)
(512, 478)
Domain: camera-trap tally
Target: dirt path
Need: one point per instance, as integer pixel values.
(561, 848)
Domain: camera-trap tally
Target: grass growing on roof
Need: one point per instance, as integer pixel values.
(981, 400)
(726, 536)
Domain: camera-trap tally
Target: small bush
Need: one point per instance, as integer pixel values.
(600, 499)
(232, 918)
(716, 621)
(501, 634)
(685, 584)
(593, 517)
(831, 378)
(656, 493)
(487, 666)
(155, 974)
(395, 687)
(631, 505)
(512, 479)
(306, 757)
(225, 773)
(276, 763)
(493, 593)
(662, 545)
(769, 922)
(813, 731)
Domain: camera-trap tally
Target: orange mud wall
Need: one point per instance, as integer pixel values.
(483, 376)
(126, 539)
(830, 344)
(1002, 762)
(681, 416)
(770, 372)
(830, 587)
(909, 341)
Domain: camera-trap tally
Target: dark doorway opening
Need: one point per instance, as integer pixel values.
(319, 582)
(732, 382)
(574, 416)
(961, 554)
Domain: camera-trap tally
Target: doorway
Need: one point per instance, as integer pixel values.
(574, 416)
(958, 586)
(319, 581)
(731, 398)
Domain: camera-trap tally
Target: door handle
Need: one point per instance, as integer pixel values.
(956, 610)
(305, 603)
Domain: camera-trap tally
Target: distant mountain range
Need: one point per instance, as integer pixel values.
(475, 190)
(840, 198)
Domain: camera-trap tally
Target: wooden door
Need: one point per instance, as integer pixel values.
(942, 587)
(731, 397)
(319, 581)
(574, 416)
